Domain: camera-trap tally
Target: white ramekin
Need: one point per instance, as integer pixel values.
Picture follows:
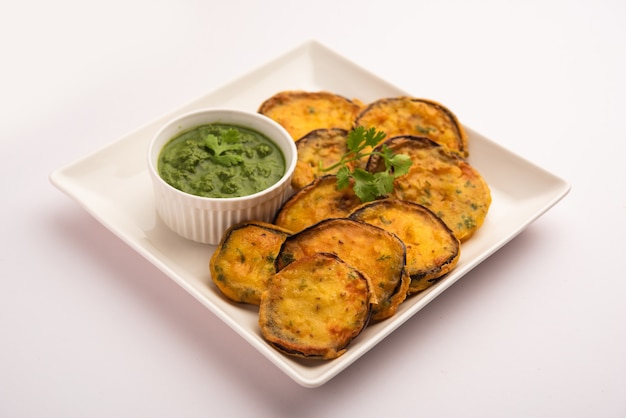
(205, 219)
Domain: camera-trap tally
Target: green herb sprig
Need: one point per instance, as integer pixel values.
(226, 152)
(369, 186)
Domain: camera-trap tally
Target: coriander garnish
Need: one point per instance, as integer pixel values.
(369, 186)
(226, 150)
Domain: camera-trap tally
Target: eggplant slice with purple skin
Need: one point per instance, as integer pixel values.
(418, 117)
(317, 149)
(432, 250)
(301, 112)
(315, 202)
(378, 254)
(315, 307)
(439, 180)
(243, 261)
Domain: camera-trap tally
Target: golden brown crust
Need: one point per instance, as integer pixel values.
(378, 254)
(317, 201)
(315, 307)
(244, 260)
(418, 117)
(323, 147)
(301, 112)
(442, 181)
(432, 250)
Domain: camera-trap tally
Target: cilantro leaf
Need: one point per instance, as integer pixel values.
(343, 177)
(399, 164)
(383, 183)
(359, 138)
(212, 142)
(229, 160)
(227, 149)
(365, 186)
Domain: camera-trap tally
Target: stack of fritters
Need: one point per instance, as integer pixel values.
(329, 262)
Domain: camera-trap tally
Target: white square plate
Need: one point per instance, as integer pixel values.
(113, 185)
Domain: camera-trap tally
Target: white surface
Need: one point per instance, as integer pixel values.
(90, 328)
(112, 185)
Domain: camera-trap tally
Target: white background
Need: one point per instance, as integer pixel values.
(88, 328)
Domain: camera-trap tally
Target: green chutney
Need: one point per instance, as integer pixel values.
(221, 160)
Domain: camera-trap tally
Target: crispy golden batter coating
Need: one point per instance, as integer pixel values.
(301, 112)
(244, 260)
(329, 263)
(378, 254)
(317, 201)
(315, 307)
(442, 181)
(418, 117)
(432, 250)
(321, 146)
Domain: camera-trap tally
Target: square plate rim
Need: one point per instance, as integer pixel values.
(62, 179)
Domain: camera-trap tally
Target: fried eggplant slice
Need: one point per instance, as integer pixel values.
(317, 201)
(441, 181)
(418, 117)
(301, 112)
(315, 307)
(244, 260)
(432, 250)
(323, 147)
(378, 254)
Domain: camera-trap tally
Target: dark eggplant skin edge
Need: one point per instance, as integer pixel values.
(455, 121)
(416, 277)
